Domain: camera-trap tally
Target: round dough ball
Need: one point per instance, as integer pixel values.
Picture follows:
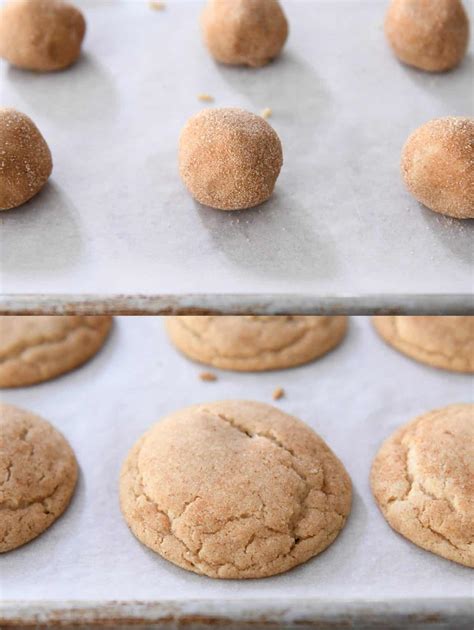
(244, 32)
(41, 35)
(432, 35)
(38, 474)
(25, 159)
(438, 166)
(234, 489)
(229, 159)
(254, 344)
(423, 481)
(445, 342)
(34, 348)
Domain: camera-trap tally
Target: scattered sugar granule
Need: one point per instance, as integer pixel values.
(278, 393)
(156, 5)
(266, 113)
(205, 98)
(209, 377)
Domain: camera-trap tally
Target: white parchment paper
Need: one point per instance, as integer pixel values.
(354, 397)
(116, 218)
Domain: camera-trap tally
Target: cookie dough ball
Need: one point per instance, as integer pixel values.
(432, 35)
(441, 341)
(423, 481)
(41, 35)
(38, 474)
(244, 32)
(25, 159)
(234, 489)
(229, 159)
(38, 348)
(438, 166)
(254, 344)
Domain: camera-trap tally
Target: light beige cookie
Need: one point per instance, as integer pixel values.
(252, 343)
(41, 35)
(25, 159)
(234, 489)
(244, 32)
(229, 158)
(423, 481)
(38, 348)
(38, 474)
(445, 342)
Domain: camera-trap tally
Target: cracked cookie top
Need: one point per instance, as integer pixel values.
(234, 489)
(423, 481)
(253, 343)
(38, 348)
(445, 342)
(38, 473)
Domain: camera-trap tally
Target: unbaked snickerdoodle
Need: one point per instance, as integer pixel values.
(38, 474)
(438, 166)
(445, 342)
(41, 35)
(25, 159)
(229, 158)
(38, 348)
(253, 343)
(234, 489)
(423, 481)
(244, 32)
(431, 35)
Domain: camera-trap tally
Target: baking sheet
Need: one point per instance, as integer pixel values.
(354, 397)
(116, 219)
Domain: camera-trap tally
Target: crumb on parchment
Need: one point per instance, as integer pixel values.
(205, 98)
(209, 377)
(266, 113)
(157, 5)
(278, 393)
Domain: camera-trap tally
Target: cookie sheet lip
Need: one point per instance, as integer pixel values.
(38, 474)
(38, 348)
(252, 343)
(445, 342)
(422, 479)
(234, 489)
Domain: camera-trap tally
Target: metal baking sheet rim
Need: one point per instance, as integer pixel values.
(237, 304)
(259, 613)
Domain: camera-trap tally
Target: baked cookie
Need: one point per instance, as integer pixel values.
(35, 349)
(244, 32)
(445, 342)
(229, 158)
(25, 159)
(253, 343)
(38, 474)
(423, 481)
(234, 489)
(41, 35)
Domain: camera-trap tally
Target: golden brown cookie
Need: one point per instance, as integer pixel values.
(445, 342)
(255, 343)
(423, 481)
(438, 166)
(244, 32)
(38, 474)
(25, 159)
(41, 35)
(35, 349)
(234, 489)
(229, 159)
(429, 34)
